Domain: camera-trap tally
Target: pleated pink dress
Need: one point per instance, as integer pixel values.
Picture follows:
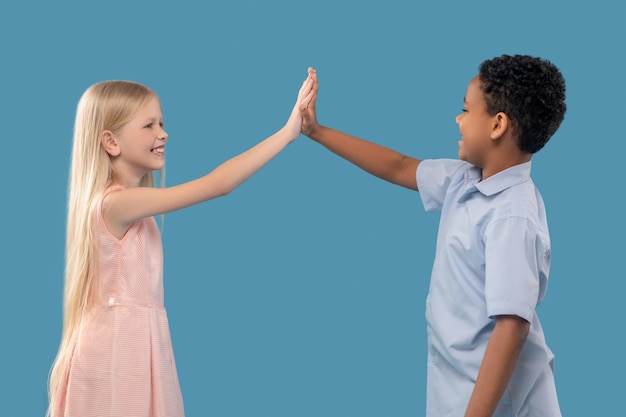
(123, 363)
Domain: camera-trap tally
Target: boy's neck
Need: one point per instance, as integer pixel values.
(501, 165)
(504, 155)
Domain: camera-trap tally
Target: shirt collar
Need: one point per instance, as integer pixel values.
(514, 175)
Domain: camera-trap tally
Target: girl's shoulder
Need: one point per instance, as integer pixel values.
(114, 186)
(108, 190)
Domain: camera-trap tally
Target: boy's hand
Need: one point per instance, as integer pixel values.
(309, 117)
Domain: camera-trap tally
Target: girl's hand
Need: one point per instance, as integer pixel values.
(294, 124)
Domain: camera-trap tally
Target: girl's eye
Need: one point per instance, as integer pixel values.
(149, 126)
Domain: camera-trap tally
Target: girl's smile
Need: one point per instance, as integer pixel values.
(159, 150)
(140, 144)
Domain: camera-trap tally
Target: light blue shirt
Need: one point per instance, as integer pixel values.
(492, 258)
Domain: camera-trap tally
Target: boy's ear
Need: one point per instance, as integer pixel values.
(109, 143)
(500, 125)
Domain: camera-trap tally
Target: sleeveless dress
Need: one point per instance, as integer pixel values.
(123, 364)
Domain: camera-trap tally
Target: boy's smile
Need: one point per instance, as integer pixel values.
(475, 126)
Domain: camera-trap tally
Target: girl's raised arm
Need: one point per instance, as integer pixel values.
(122, 208)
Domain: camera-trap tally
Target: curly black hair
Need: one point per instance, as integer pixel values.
(530, 91)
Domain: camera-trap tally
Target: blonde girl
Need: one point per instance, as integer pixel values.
(115, 356)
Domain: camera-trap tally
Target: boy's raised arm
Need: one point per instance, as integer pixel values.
(378, 160)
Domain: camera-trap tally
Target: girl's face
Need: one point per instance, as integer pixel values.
(141, 142)
(475, 126)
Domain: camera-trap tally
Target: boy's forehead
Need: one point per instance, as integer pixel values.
(474, 82)
(473, 91)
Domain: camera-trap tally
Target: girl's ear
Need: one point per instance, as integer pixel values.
(109, 143)
(500, 125)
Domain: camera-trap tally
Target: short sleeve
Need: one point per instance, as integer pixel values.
(517, 261)
(434, 177)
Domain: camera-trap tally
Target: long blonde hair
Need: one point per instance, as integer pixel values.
(104, 106)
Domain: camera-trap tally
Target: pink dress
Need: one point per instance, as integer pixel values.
(123, 364)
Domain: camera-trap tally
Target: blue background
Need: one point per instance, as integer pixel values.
(302, 293)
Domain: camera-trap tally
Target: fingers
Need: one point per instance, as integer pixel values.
(306, 84)
(305, 94)
(305, 106)
(310, 96)
(304, 103)
(313, 76)
(309, 78)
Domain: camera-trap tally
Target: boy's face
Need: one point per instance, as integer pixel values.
(475, 126)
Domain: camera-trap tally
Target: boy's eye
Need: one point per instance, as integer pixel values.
(463, 110)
